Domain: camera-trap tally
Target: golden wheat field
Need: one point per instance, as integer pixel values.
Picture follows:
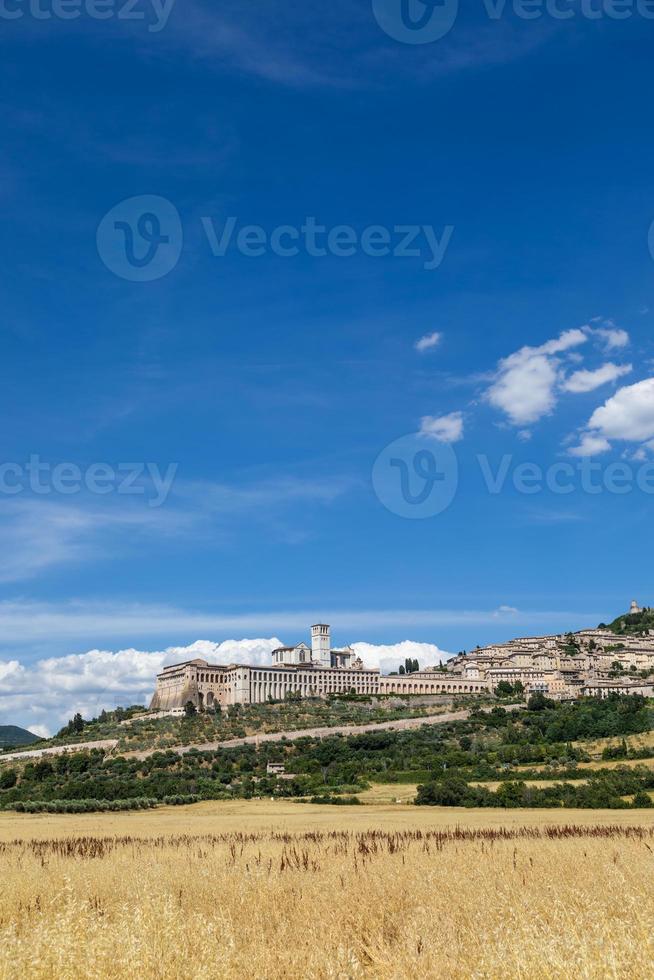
(284, 890)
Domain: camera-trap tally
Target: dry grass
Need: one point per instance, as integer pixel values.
(325, 895)
(616, 763)
(494, 785)
(596, 746)
(389, 793)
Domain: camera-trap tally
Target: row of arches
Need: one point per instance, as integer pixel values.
(430, 687)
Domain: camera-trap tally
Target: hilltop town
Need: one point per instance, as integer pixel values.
(615, 658)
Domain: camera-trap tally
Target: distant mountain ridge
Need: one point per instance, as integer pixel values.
(13, 735)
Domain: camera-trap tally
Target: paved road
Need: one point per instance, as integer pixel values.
(291, 736)
(398, 725)
(106, 743)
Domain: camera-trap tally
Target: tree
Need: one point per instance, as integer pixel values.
(8, 779)
(518, 688)
(538, 702)
(190, 710)
(504, 689)
(402, 669)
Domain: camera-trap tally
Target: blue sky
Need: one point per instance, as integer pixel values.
(269, 385)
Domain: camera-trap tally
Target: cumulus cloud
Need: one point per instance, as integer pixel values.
(613, 338)
(43, 696)
(525, 384)
(584, 381)
(591, 444)
(627, 416)
(444, 428)
(389, 656)
(46, 694)
(428, 342)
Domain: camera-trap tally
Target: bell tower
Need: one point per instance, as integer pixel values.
(321, 644)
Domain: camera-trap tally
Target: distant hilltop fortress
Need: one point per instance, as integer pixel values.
(591, 662)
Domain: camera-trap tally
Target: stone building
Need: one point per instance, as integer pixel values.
(571, 665)
(300, 670)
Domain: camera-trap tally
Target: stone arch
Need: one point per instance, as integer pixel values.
(210, 699)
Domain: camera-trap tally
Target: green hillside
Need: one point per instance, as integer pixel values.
(538, 756)
(12, 735)
(634, 624)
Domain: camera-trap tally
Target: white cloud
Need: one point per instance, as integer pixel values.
(444, 428)
(38, 534)
(254, 652)
(389, 656)
(41, 730)
(43, 696)
(614, 338)
(628, 415)
(636, 456)
(590, 445)
(564, 342)
(428, 342)
(33, 625)
(584, 381)
(525, 383)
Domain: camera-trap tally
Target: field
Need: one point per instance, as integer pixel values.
(281, 889)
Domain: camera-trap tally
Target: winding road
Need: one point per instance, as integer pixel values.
(399, 724)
